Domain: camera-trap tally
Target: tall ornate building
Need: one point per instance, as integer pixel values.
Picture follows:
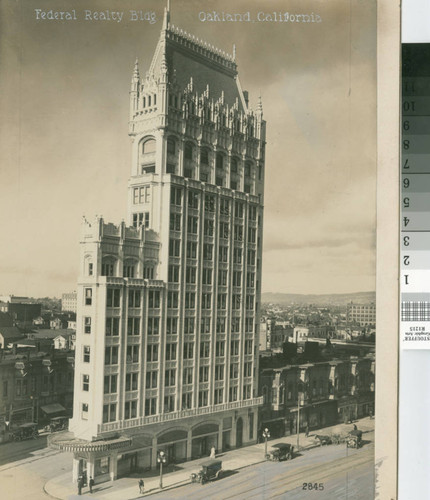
(168, 304)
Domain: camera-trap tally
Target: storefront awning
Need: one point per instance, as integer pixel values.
(53, 408)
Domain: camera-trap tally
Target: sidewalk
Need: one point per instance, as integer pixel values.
(127, 488)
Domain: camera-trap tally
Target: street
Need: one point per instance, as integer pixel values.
(342, 477)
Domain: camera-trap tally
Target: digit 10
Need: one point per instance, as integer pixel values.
(409, 106)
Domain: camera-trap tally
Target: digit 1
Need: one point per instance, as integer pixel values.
(406, 279)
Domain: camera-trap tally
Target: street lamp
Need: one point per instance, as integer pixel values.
(266, 435)
(161, 459)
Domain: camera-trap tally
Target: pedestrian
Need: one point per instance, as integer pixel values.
(80, 484)
(307, 430)
(141, 486)
(91, 484)
(355, 427)
(213, 452)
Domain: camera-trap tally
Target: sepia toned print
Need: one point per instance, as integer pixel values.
(217, 270)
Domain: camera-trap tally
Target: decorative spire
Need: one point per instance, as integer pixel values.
(136, 75)
(260, 105)
(166, 19)
(234, 52)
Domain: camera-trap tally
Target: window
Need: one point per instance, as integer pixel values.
(142, 194)
(187, 399)
(223, 230)
(175, 222)
(234, 347)
(218, 396)
(247, 170)
(204, 349)
(176, 196)
(172, 300)
(90, 269)
(224, 206)
(110, 384)
(203, 398)
(206, 300)
(133, 353)
(248, 346)
(170, 168)
(249, 325)
(192, 225)
(238, 210)
(250, 280)
(233, 184)
(128, 271)
(204, 374)
(88, 296)
(169, 404)
(188, 151)
(219, 161)
(247, 369)
(250, 302)
(253, 212)
(148, 146)
(205, 325)
(150, 406)
(247, 391)
(109, 415)
(222, 277)
(86, 353)
(204, 176)
(171, 149)
(170, 352)
(173, 274)
(236, 300)
(131, 381)
(190, 300)
(111, 355)
(85, 383)
(223, 253)
(222, 301)
(141, 219)
(108, 268)
(238, 232)
(219, 372)
(193, 200)
(133, 326)
(87, 324)
(169, 378)
(234, 165)
(113, 297)
(191, 250)
(189, 325)
(187, 376)
(237, 278)
(207, 276)
(151, 379)
(235, 325)
(172, 326)
(232, 394)
(207, 251)
(130, 409)
(5, 388)
(153, 325)
(219, 181)
(188, 350)
(190, 274)
(154, 299)
(152, 352)
(251, 235)
(204, 157)
(251, 257)
(134, 298)
(220, 348)
(208, 229)
(174, 247)
(84, 411)
(148, 272)
(209, 203)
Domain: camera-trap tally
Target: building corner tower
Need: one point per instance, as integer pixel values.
(169, 301)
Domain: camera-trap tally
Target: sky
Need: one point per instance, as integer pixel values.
(65, 152)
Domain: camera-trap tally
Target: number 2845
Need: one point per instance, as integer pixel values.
(313, 486)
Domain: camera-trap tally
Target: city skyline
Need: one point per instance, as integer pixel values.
(63, 139)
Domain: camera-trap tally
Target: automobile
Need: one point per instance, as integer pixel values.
(281, 451)
(25, 431)
(57, 424)
(354, 439)
(211, 469)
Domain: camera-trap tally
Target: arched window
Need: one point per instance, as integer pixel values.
(108, 266)
(234, 164)
(148, 146)
(188, 151)
(171, 146)
(219, 161)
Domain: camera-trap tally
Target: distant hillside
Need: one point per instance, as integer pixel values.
(324, 299)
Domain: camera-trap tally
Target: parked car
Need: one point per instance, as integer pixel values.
(211, 469)
(57, 424)
(281, 451)
(25, 431)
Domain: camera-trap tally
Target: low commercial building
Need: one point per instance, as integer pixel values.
(322, 393)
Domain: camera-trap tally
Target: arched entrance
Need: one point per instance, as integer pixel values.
(239, 432)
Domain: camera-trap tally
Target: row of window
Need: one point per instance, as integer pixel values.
(130, 407)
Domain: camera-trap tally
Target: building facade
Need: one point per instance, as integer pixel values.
(361, 314)
(327, 393)
(168, 304)
(69, 302)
